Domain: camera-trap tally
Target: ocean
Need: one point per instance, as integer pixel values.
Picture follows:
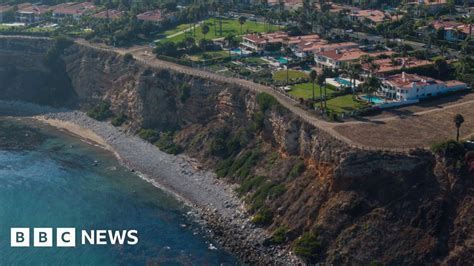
(51, 179)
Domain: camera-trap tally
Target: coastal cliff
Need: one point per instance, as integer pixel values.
(327, 201)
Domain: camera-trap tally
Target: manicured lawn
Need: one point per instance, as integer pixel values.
(229, 26)
(292, 74)
(176, 29)
(305, 91)
(254, 60)
(344, 103)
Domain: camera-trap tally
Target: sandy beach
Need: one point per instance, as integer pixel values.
(213, 200)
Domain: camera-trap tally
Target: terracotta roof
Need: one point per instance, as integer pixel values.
(5, 8)
(334, 46)
(453, 83)
(156, 15)
(406, 81)
(386, 64)
(73, 8)
(452, 25)
(350, 54)
(274, 37)
(371, 14)
(29, 8)
(111, 14)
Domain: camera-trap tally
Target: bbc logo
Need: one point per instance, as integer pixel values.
(42, 237)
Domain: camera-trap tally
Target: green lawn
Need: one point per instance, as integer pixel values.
(305, 91)
(293, 74)
(344, 103)
(229, 26)
(176, 29)
(254, 60)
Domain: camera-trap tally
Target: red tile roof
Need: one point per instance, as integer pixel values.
(5, 8)
(372, 14)
(73, 8)
(386, 64)
(156, 15)
(29, 8)
(111, 14)
(406, 81)
(274, 37)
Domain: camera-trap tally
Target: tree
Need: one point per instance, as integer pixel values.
(313, 75)
(441, 66)
(205, 30)
(242, 21)
(458, 120)
(321, 80)
(371, 85)
(231, 42)
(288, 52)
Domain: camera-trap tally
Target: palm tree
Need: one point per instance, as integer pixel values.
(322, 98)
(458, 120)
(313, 75)
(287, 54)
(242, 21)
(231, 40)
(371, 85)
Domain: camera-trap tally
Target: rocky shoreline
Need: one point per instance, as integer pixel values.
(213, 201)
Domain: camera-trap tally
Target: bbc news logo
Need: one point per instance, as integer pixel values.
(66, 237)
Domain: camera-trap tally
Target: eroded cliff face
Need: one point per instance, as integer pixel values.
(361, 206)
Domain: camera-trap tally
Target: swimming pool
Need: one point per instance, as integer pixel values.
(373, 99)
(236, 51)
(343, 82)
(282, 60)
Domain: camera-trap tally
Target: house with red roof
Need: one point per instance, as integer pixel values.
(31, 13)
(155, 16)
(408, 87)
(3, 11)
(372, 16)
(336, 58)
(72, 10)
(453, 31)
(396, 64)
(109, 14)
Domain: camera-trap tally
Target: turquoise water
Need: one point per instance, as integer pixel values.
(373, 99)
(343, 82)
(282, 60)
(236, 50)
(48, 179)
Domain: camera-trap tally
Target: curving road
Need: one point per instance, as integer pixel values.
(144, 55)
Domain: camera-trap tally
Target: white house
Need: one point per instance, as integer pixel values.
(406, 87)
(72, 10)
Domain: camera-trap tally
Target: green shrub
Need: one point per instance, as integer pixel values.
(166, 143)
(450, 148)
(257, 121)
(307, 247)
(263, 218)
(250, 183)
(222, 168)
(265, 191)
(128, 57)
(266, 101)
(184, 92)
(149, 134)
(119, 120)
(279, 235)
(297, 169)
(100, 112)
